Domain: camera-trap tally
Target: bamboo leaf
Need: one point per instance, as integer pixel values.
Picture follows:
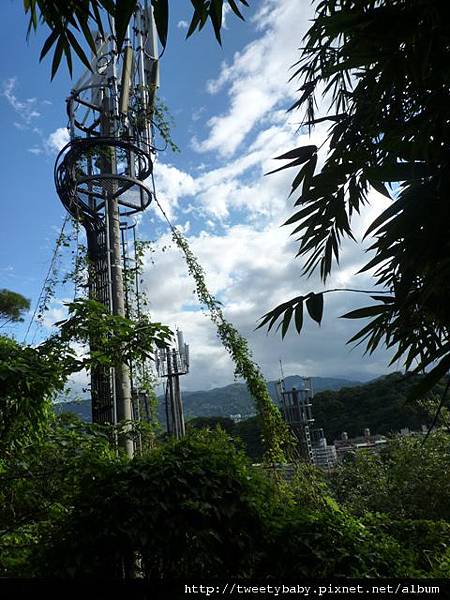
(286, 321)
(367, 311)
(124, 10)
(161, 14)
(314, 305)
(215, 14)
(299, 317)
(58, 55)
(48, 43)
(303, 152)
(78, 49)
(294, 163)
(430, 379)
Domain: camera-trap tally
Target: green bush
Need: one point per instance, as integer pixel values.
(192, 508)
(428, 542)
(38, 486)
(410, 480)
(330, 543)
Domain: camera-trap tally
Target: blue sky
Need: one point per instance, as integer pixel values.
(229, 105)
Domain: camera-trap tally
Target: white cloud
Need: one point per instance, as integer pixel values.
(27, 113)
(226, 9)
(36, 150)
(257, 79)
(250, 266)
(25, 109)
(57, 140)
(252, 271)
(182, 24)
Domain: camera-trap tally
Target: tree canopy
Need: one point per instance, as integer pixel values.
(12, 306)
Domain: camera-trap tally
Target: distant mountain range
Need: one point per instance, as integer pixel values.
(224, 401)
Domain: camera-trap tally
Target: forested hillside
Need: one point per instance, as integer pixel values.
(380, 405)
(224, 401)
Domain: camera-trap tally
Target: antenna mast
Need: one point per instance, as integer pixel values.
(170, 364)
(100, 177)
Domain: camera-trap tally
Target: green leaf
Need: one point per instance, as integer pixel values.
(122, 15)
(398, 172)
(68, 54)
(385, 299)
(367, 311)
(235, 8)
(215, 14)
(294, 163)
(58, 55)
(196, 20)
(392, 210)
(303, 152)
(314, 305)
(302, 213)
(299, 317)
(87, 34)
(161, 14)
(364, 332)
(286, 321)
(78, 49)
(430, 379)
(380, 188)
(48, 43)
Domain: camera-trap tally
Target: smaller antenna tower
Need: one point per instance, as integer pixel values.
(170, 364)
(296, 406)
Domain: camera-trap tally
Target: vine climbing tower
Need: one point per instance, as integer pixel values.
(101, 175)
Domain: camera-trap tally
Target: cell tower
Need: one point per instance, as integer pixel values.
(296, 407)
(101, 174)
(170, 364)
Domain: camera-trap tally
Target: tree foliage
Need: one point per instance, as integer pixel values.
(31, 376)
(385, 91)
(71, 22)
(12, 306)
(398, 482)
(38, 484)
(191, 508)
(29, 379)
(381, 405)
(70, 507)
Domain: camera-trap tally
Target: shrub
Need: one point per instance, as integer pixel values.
(192, 508)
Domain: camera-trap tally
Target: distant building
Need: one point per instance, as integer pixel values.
(324, 455)
(365, 443)
(238, 417)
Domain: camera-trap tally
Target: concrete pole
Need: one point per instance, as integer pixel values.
(179, 407)
(122, 374)
(121, 371)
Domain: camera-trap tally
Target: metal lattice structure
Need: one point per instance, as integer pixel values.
(170, 364)
(101, 174)
(296, 407)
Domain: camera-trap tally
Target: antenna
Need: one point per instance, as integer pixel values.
(100, 177)
(171, 363)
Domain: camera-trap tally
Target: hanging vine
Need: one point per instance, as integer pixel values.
(276, 435)
(51, 279)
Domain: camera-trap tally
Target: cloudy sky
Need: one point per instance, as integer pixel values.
(229, 107)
